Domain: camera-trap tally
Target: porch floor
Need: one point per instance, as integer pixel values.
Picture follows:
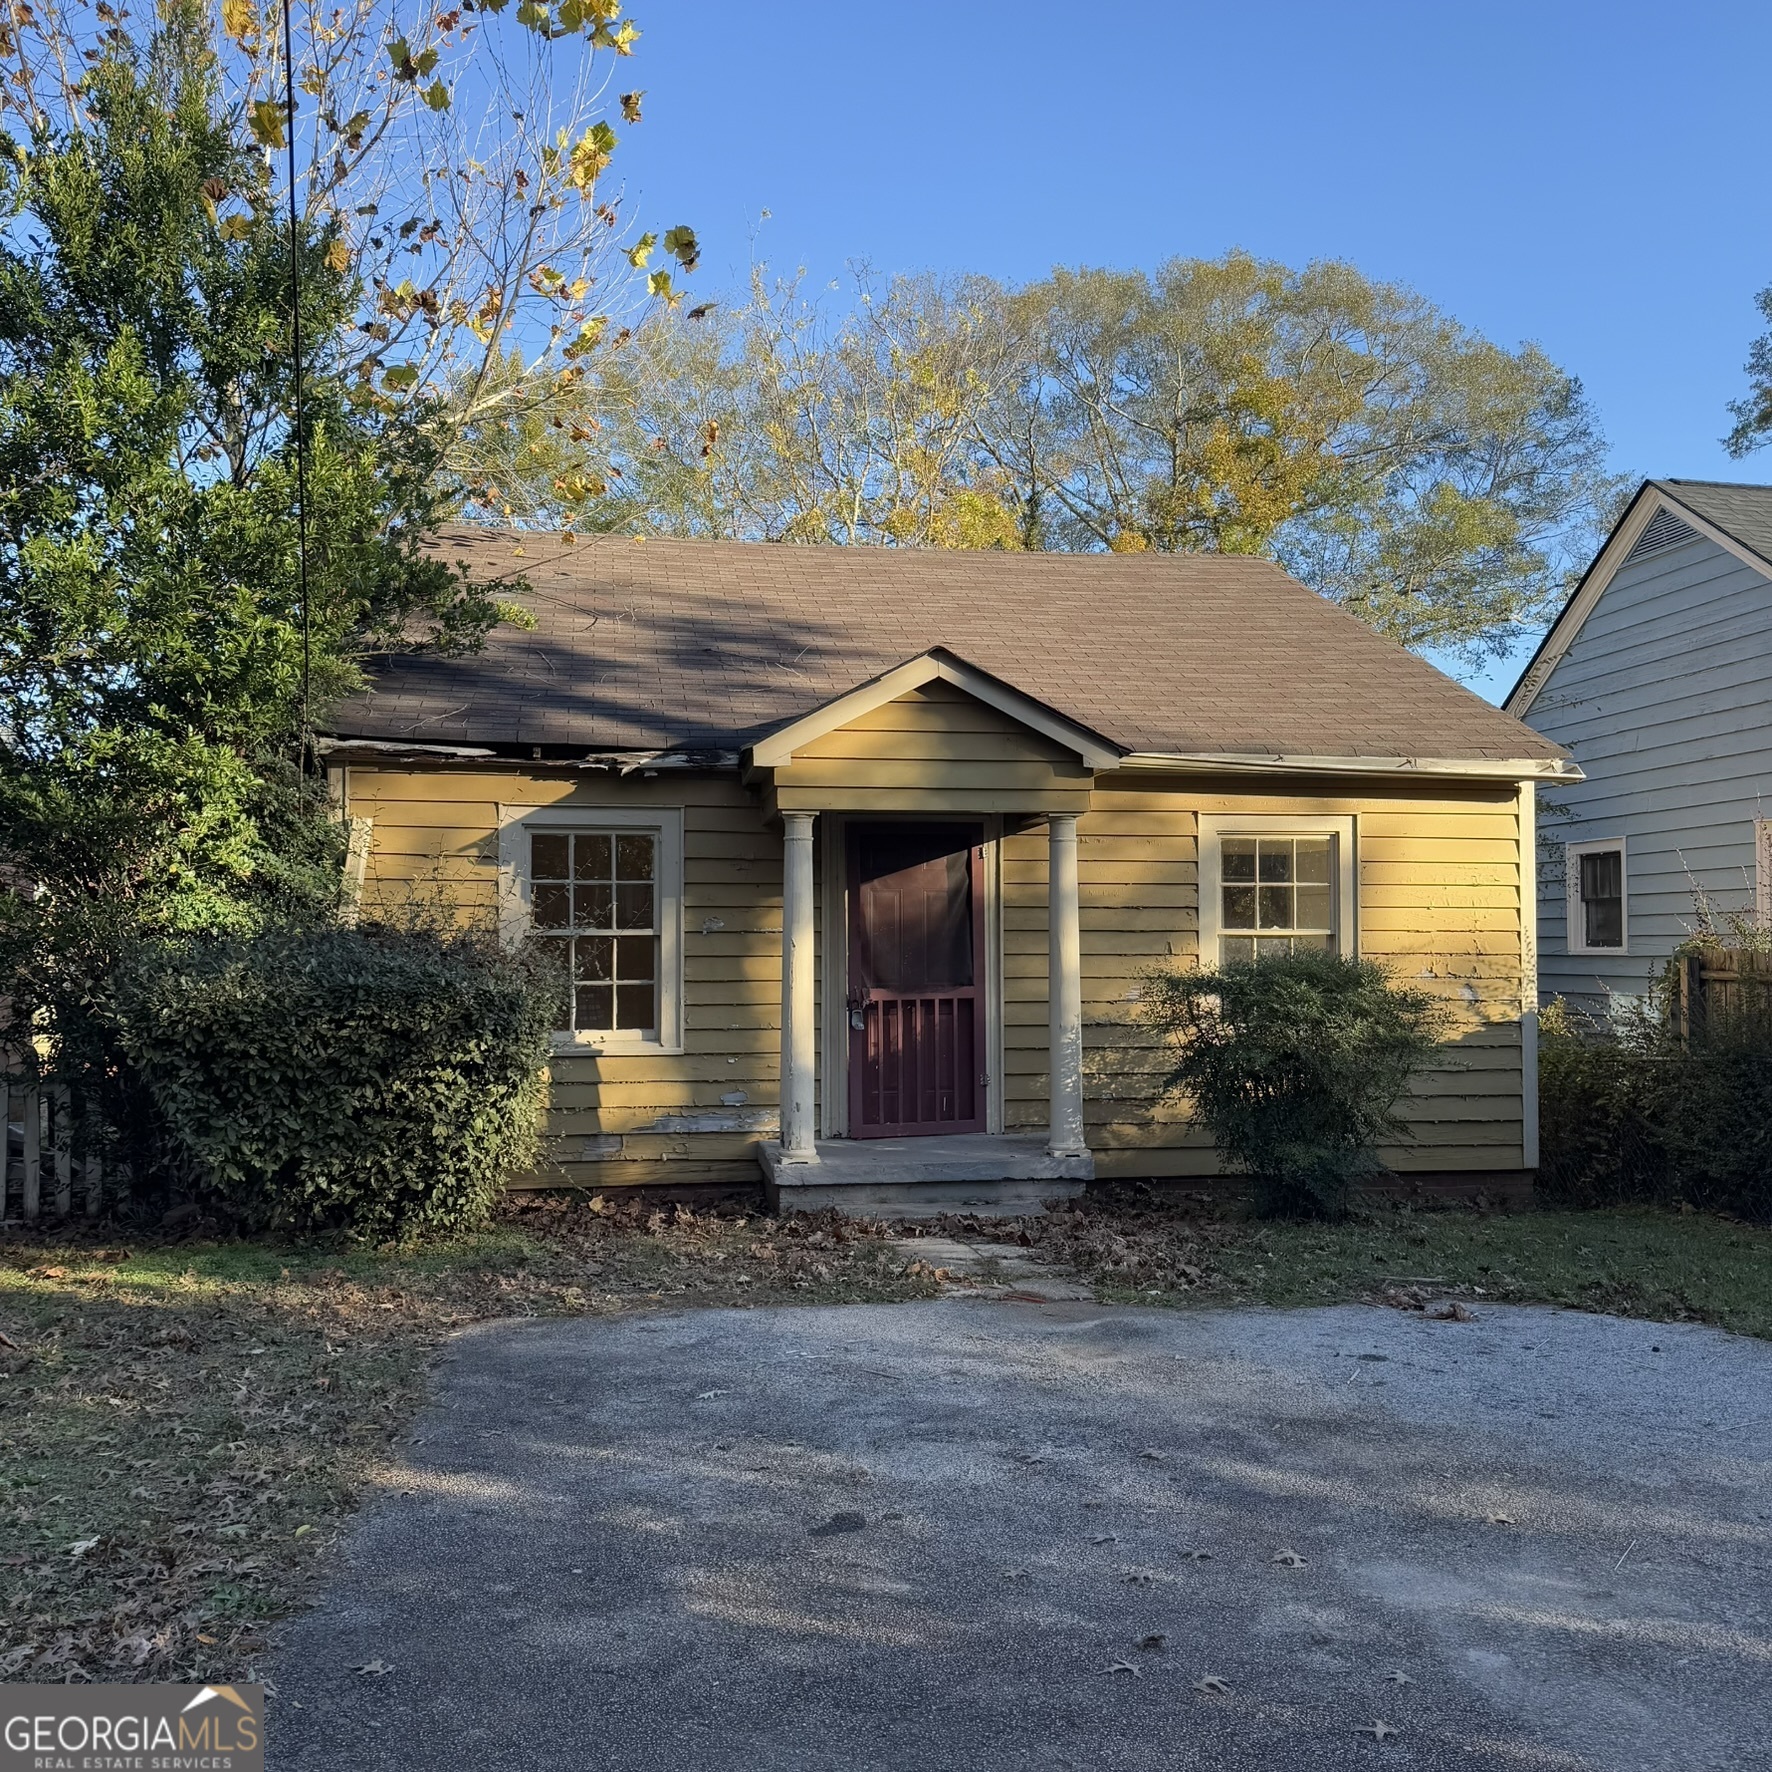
(992, 1174)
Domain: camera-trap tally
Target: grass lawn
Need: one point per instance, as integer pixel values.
(186, 1425)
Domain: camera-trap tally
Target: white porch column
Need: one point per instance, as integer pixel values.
(799, 1018)
(1065, 987)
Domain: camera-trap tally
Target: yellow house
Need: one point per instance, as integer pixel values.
(858, 856)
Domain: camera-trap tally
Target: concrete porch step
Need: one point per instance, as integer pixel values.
(991, 1174)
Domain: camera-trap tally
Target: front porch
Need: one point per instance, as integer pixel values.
(992, 1175)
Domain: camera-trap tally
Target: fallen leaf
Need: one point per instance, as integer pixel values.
(1156, 1642)
(1213, 1685)
(708, 1396)
(375, 1669)
(1103, 1538)
(1452, 1312)
(1378, 1729)
(1121, 1667)
(81, 1546)
(1398, 1678)
(1196, 1556)
(1153, 1454)
(6, 1340)
(1289, 1559)
(1501, 1519)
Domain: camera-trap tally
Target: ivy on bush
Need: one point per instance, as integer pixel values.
(1294, 1064)
(383, 1081)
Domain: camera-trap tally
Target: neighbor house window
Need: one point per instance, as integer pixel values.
(1598, 914)
(1275, 885)
(601, 892)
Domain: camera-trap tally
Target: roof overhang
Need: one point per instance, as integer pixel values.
(1651, 497)
(1279, 763)
(936, 665)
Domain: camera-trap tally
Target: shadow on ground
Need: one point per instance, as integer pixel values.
(967, 1534)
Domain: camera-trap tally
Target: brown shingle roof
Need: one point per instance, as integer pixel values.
(682, 644)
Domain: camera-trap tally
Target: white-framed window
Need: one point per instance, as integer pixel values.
(1598, 897)
(1275, 884)
(602, 888)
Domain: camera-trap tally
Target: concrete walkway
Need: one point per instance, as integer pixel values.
(972, 1534)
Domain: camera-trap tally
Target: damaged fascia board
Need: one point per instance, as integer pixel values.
(615, 762)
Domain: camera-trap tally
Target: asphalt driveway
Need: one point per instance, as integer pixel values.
(996, 1535)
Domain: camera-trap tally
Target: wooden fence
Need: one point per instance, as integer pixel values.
(45, 1169)
(1722, 984)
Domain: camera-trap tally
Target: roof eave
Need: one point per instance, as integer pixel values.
(1283, 763)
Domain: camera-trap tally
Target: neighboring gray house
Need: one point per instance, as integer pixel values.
(1658, 677)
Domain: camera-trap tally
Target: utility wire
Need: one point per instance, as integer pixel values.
(301, 441)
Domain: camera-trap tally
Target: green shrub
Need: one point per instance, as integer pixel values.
(1601, 1083)
(1295, 1064)
(383, 1081)
(1630, 1113)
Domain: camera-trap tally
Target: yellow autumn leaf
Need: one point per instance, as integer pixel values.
(239, 19)
(235, 227)
(265, 119)
(338, 257)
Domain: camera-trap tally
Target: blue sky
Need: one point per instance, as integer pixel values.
(1591, 177)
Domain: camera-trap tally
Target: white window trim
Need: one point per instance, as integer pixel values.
(515, 825)
(1574, 922)
(1343, 873)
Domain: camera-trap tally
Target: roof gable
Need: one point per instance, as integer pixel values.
(934, 666)
(1663, 514)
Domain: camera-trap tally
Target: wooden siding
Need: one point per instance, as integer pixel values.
(1438, 893)
(1662, 699)
(1438, 901)
(626, 1120)
(936, 749)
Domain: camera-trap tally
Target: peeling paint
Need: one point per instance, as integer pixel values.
(736, 1099)
(719, 1120)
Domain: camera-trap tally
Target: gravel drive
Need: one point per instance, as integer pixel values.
(966, 1534)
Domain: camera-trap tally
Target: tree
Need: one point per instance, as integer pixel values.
(161, 647)
(450, 154)
(1753, 415)
(1442, 488)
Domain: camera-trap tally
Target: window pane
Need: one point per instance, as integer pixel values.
(633, 856)
(547, 856)
(590, 855)
(633, 1007)
(633, 957)
(1238, 856)
(1313, 907)
(1602, 899)
(1239, 906)
(594, 906)
(1237, 948)
(594, 958)
(1276, 905)
(1605, 922)
(552, 906)
(593, 1006)
(633, 906)
(1313, 859)
(1276, 858)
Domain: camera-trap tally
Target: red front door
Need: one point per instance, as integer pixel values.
(916, 980)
